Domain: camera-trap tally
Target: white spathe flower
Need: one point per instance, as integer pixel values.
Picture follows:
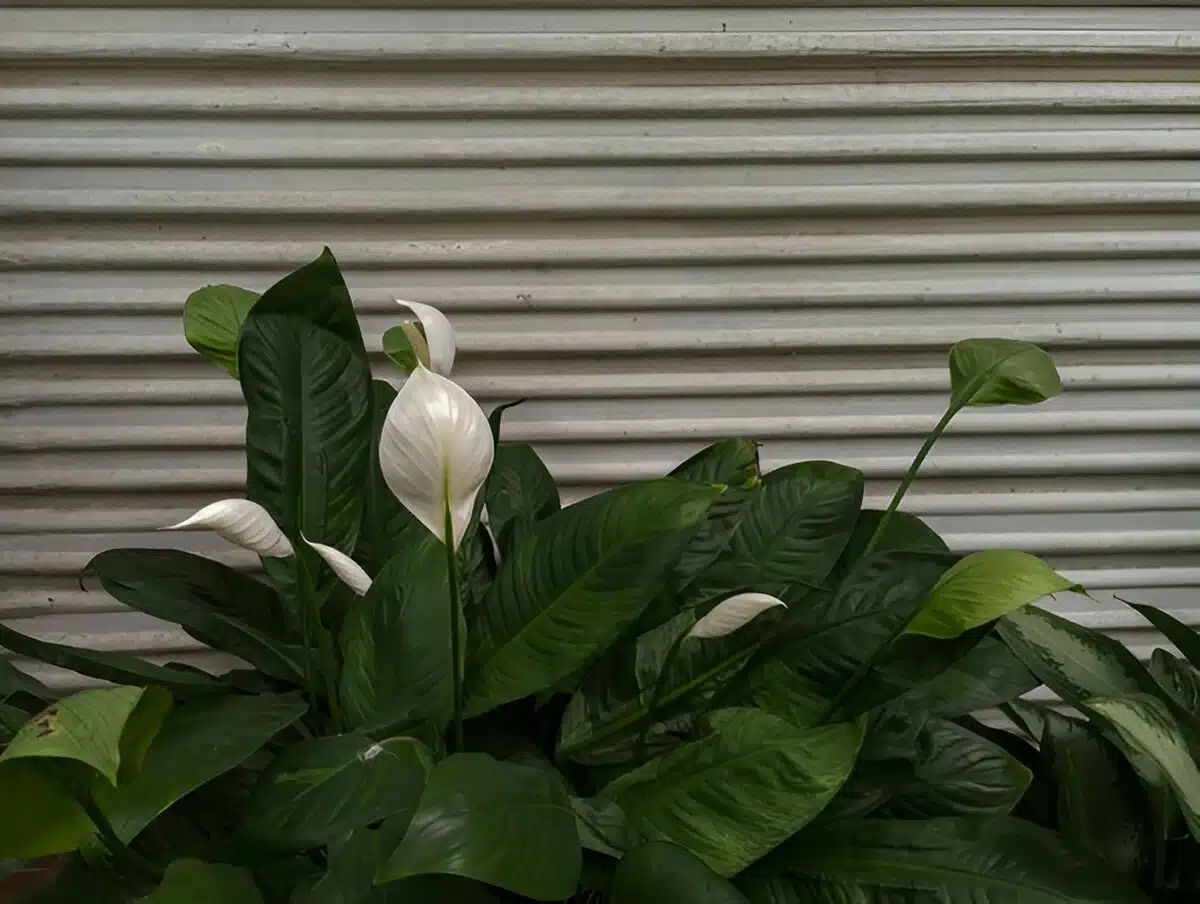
(351, 573)
(435, 451)
(242, 522)
(439, 336)
(731, 614)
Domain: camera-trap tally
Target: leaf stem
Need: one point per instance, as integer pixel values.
(318, 641)
(656, 695)
(456, 639)
(113, 842)
(911, 475)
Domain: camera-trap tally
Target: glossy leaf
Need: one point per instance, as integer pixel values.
(243, 523)
(386, 524)
(308, 396)
(734, 795)
(520, 492)
(576, 583)
(1177, 678)
(195, 882)
(662, 872)
(790, 533)
(395, 642)
(317, 293)
(318, 790)
(602, 826)
(1185, 639)
(495, 822)
(957, 773)
(983, 587)
(988, 675)
(731, 462)
(198, 742)
(960, 860)
(1144, 727)
(215, 604)
(212, 321)
(903, 533)
(1001, 372)
(40, 817)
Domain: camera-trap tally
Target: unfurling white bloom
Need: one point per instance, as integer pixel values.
(435, 451)
(731, 614)
(343, 566)
(439, 336)
(242, 522)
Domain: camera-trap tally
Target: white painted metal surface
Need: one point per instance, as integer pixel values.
(664, 225)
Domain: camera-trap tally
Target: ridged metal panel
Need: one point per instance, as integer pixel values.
(663, 225)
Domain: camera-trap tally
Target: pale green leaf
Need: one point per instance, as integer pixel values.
(1001, 372)
(212, 322)
(195, 882)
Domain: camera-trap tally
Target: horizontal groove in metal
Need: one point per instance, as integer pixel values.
(660, 232)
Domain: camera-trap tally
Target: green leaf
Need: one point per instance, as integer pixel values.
(960, 860)
(1185, 639)
(957, 773)
(90, 727)
(1001, 372)
(1100, 805)
(406, 346)
(40, 817)
(602, 826)
(1143, 726)
(497, 416)
(791, 531)
(1074, 662)
(1177, 678)
(117, 668)
(215, 604)
(495, 822)
(212, 321)
(988, 675)
(983, 587)
(520, 492)
(664, 872)
(734, 795)
(903, 533)
(317, 293)
(198, 742)
(385, 522)
(396, 657)
(195, 882)
(731, 462)
(579, 579)
(13, 681)
(308, 427)
(318, 790)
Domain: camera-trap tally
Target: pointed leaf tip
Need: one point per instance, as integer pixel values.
(439, 336)
(435, 452)
(733, 613)
(243, 522)
(350, 572)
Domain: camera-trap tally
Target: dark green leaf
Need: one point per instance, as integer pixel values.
(497, 415)
(963, 860)
(1001, 372)
(195, 882)
(115, 667)
(212, 321)
(579, 579)
(318, 790)
(903, 533)
(499, 823)
(317, 293)
(215, 604)
(988, 675)
(1185, 639)
(664, 873)
(734, 795)
(1177, 678)
(396, 656)
(731, 462)
(385, 522)
(790, 533)
(520, 492)
(957, 773)
(601, 825)
(13, 681)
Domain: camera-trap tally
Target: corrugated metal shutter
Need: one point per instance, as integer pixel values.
(663, 225)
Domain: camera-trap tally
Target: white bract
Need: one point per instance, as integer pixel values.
(242, 522)
(731, 614)
(435, 451)
(343, 566)
(439, 336)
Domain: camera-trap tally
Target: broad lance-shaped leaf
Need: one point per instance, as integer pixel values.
(395, 642)
(1185, 638)
(732, 796)
(983, 587)
(317, 293)
(1179, 679)
(15, 682)
(1001, 372)
(963, 860)
(242, 522)
(317, 791)
(579, 579)
(495, 822)
(520, 492)
(386, 524)
(212, 322)
(195, 882)
(348, 571)
(435, 452)
(215, 604)
(662, 872)
(1144, 727)
(988, 675)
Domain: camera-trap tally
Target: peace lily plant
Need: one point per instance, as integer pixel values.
(719, 686)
